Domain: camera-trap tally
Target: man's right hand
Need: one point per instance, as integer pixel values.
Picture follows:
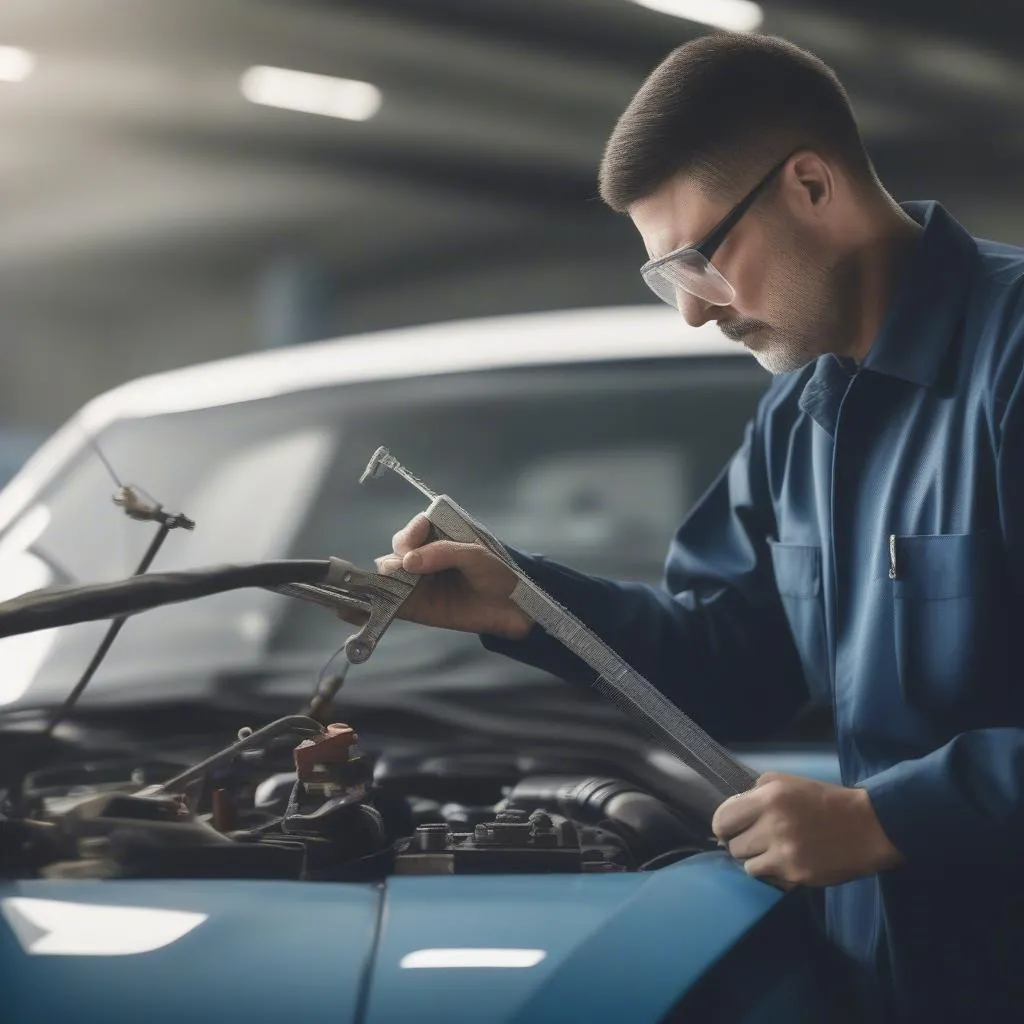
(464, 587)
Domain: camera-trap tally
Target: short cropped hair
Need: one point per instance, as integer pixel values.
(723, 109)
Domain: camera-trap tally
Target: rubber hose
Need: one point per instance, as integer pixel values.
(67, 605)
(647, 825)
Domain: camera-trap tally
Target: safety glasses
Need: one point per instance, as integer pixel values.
(690, 270)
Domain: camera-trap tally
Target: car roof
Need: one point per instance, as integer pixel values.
(531, 339)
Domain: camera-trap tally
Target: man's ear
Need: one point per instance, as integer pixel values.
(810, 182)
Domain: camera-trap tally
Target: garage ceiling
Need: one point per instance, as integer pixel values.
(147, 204)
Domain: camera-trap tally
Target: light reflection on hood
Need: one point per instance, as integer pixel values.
(58, 928)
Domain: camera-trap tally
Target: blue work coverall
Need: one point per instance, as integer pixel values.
(865, 548)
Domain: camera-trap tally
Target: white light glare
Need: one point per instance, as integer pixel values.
(20, 573)
(21, 537)
(472, 958)
(311, 94)
(57, 928)
(731, 15)
(16, 64)
(21, 656)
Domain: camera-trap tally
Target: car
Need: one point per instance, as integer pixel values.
(490, 843)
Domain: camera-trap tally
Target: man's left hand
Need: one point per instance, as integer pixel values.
(795, 831)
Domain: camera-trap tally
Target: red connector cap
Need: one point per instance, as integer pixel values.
(331, 748)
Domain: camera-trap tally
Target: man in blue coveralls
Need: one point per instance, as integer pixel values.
(865, 545)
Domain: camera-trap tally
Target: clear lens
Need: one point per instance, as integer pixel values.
(688, 273)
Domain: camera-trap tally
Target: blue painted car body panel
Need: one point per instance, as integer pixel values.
(617, 947)
(268, 951)
(684, 918)
(822, 764)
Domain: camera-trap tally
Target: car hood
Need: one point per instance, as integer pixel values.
(495, 948)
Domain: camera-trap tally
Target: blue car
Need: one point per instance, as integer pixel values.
(223, 825)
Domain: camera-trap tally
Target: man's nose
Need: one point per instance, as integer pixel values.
(696, 312)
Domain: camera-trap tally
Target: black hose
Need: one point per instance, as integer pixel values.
(67, 605)
(648, 826)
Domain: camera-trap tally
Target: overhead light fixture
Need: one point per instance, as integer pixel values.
(16, 64)
(731, 15)
(311, 94)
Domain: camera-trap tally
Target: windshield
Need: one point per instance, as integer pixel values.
(594, 466)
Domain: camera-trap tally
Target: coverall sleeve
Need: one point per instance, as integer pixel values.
(714, 638)
(966, 800)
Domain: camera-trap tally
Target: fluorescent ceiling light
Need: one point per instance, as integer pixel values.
(732, 15)
(16, 64)
(476, 957)
(57, 928)
(311, 94)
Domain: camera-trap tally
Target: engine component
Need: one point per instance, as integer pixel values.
(55, 789)
(473, 777)
(236, 814)
(100, 821)
(273, 793)
(330, 763)
(224, 813)
(465, 818)
(116, 835)
(329, 799)
(514, 842)
(648, 826)
(330, 774)
(247, 739)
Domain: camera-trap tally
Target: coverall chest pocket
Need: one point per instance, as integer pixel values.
(939, 589)
(797, 570)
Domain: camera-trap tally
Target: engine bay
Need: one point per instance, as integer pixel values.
(298, 798)
(321, 809)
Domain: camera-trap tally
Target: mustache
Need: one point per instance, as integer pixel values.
(738, 327)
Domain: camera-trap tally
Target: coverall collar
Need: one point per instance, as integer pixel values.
(922, 321)
(925, 314)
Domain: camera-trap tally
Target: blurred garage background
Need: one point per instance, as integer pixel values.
(161, 205)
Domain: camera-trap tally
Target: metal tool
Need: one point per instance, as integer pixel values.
(380, 597)
(377, 595)
(619, 681)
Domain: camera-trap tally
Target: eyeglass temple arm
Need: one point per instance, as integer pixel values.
(707, 246)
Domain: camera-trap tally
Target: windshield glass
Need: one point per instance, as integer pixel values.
(594, 466)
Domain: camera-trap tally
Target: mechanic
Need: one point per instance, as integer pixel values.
(865, 545)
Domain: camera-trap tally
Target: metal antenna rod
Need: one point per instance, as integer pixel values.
(106, 462)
